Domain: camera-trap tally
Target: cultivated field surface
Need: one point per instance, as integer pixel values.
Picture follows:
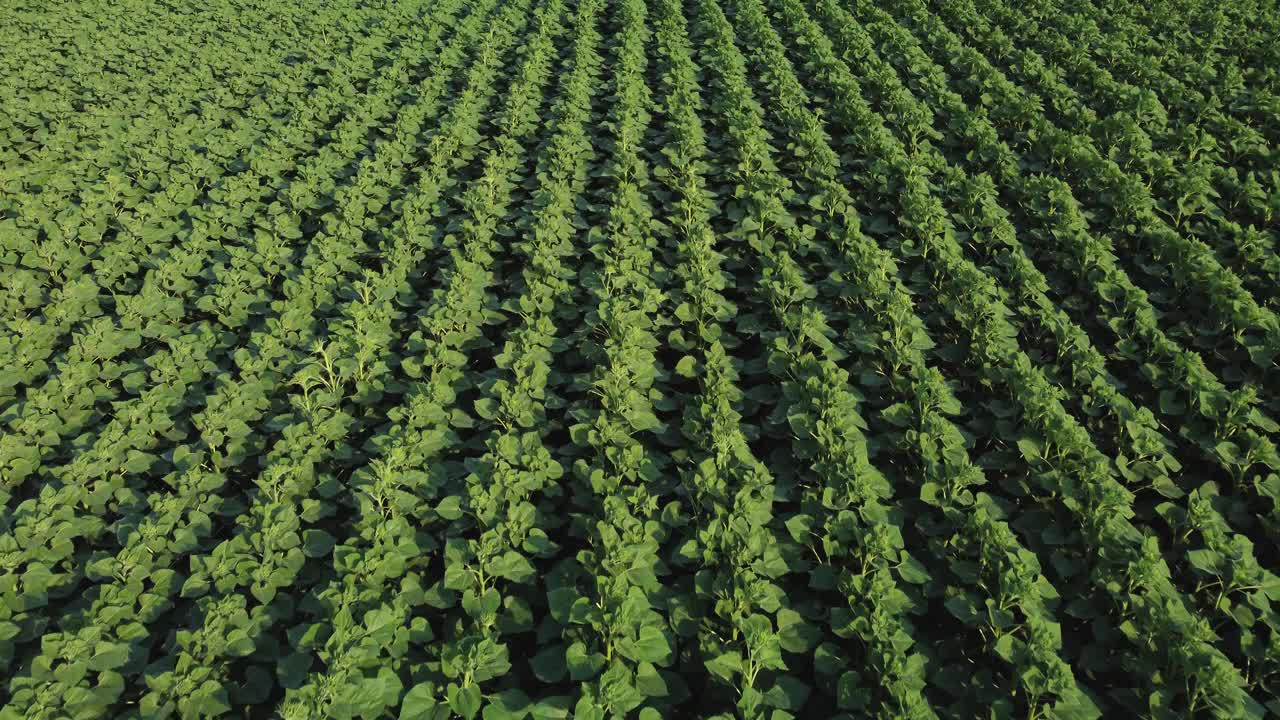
(656, 359)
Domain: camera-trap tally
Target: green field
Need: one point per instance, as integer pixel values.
(640, 358)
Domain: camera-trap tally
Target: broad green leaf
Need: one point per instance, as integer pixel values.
(450, 508)
(650, 646)
(725, 665)
(465, 700)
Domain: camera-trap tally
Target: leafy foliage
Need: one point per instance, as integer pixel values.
(614, 358)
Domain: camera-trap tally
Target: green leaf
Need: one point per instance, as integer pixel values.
(108, 656)
(549, 665)
(465, 701)
(491, 661)
(512, 566)
(645, 420)
(1204, 560)
(487, 408)
(138, 462)
(725, 665)
(799, 527)
(649, 681)
(317, 543)
(787, 693)
(510, 704)
(1170, 404)
(587, 709)
(618, 689)
(912, 571)
(1031, 449)
(538, 543)
(551, 708)
(560, 601)
(450, 508)
(292, 669)
(582, 666)
(829, 659)
(961, 607)
(687, 366)
(263, 593)
(457, 576)
(899, 414)
(850, 694)
(795, 634)
(650, 646)
(419, 704)
(1004, 647)
(239, 644)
